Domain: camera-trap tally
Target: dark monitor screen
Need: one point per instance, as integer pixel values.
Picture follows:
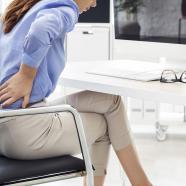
(99, 14)
(151, 20)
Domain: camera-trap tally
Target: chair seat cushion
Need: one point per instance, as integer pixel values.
(14, 170)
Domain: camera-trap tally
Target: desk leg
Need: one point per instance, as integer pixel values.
(184, 112)
(179, 31)
(161, 130)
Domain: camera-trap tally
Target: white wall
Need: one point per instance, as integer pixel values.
(3, 4)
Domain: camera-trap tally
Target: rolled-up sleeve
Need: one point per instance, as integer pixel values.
(48, 25)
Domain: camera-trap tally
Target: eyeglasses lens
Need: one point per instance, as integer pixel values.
(183, 77)
(168, 76)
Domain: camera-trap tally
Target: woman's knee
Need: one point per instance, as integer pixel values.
(116, 103)
(95, 126)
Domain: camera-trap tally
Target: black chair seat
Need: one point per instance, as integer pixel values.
(15, 170)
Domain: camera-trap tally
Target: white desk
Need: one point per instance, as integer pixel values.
(74, 76)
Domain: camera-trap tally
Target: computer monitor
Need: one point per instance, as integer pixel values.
(150, 30)
(99, 14)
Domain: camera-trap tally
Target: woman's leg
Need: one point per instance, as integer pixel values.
(131, 165)
(48, 135)
(112, 108)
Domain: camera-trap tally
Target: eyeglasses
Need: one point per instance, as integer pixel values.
(170, 76)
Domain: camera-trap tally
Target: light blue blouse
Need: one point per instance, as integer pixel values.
(38, 41)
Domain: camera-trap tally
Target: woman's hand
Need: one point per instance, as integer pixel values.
(18, 86)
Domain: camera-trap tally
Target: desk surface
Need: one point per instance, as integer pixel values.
(75, 76)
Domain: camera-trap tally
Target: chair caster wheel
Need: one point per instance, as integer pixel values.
(161, 130)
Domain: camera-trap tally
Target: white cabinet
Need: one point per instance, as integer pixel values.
(89, 43)
(150, 111)
(135, 108)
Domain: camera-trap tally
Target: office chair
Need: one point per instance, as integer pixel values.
(31, 172)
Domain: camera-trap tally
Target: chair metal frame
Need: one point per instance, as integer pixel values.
(81, 136)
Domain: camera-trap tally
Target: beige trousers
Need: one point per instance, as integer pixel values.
(48, 135)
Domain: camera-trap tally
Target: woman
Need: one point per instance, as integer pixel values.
(31, 60)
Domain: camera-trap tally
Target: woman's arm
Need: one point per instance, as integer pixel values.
(49, 24)
(18, 86)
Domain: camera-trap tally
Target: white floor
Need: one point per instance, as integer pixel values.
(164, 162)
